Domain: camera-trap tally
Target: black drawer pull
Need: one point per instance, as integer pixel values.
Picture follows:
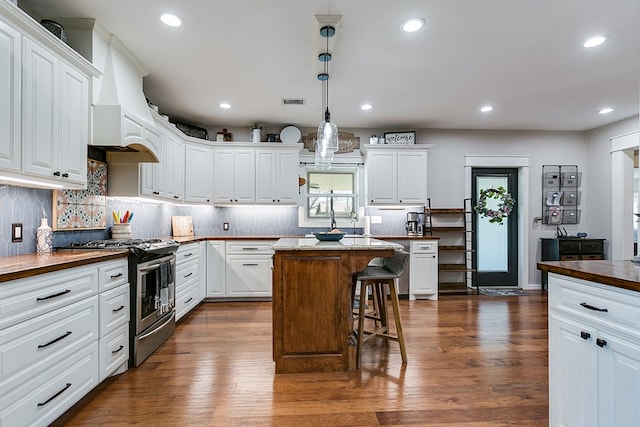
(118, 350)
(55, 340)
(187, 275)
(115, 276)
(115, 310)
(189, 300)
(59, 294)
(66, 387)
(600, 342)
(250, 249)
(249, 265)
(585, 335)
(189, 254)
(594, 308)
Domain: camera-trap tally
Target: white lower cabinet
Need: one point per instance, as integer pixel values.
(594, 354)
(423, 270)
(60, 335)
(216, 268)
(187, 279)
(248, 271)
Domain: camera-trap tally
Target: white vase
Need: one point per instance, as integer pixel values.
(44, 237)
(255, 135)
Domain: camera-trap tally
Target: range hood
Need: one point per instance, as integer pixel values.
(122, 122)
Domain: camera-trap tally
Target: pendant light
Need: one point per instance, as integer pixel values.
(327, 138)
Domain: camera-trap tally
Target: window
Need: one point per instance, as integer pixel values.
(338, 188)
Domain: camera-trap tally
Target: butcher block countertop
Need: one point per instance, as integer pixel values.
(619, 274)
(192, 239)
(21, 266)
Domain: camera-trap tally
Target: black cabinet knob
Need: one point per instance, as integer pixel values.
(600, 342)
(56, 173)
(585, 335)
(65, 175)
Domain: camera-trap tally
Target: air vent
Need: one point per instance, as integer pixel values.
(292, 101)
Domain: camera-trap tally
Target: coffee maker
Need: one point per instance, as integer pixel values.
(415, 223)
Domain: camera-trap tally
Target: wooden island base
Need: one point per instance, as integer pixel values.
(312, 320)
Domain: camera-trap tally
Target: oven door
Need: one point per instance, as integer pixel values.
(155, 291)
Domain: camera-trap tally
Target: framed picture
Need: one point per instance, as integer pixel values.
(400, 138)
(83, 209)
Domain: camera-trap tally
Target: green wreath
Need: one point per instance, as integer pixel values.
(504, 208)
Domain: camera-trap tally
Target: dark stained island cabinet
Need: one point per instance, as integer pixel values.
(312, 320)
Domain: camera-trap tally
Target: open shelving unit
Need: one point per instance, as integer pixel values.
(454, 228)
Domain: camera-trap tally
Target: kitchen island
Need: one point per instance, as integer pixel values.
(594, 342)
(312, 320)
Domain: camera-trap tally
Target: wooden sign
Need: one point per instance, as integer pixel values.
(400, 138)
(347, 142)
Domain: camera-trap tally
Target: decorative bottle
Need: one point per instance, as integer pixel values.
(44, 235)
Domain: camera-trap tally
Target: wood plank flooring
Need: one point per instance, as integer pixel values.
(473, 361)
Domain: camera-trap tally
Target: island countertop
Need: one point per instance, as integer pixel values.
(619, 274)
(347, 243)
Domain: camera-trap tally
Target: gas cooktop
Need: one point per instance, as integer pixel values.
(141, 248)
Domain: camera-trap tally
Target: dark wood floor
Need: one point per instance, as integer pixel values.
(473, 361)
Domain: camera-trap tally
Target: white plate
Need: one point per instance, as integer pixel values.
(290, 135)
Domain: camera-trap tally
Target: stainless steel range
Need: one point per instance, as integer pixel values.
(152, 268)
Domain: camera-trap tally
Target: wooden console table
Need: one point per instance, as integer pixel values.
(312, 318)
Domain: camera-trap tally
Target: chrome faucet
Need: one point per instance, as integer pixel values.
(332, 214)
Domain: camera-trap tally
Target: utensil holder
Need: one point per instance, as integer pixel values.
(121, 231)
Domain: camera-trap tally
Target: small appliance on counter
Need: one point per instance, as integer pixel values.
(415, 223)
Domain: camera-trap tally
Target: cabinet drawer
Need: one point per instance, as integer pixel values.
(186, 300)
(599, 303)
(114, 351)
(28, 349)
(114, 308)
(592, 247)
(247, 247)
(424, 247)
(186, 274)
(187, 252)
(113, 274)
(569, 257)
(591, 256)
(42, 399)
(24, 299)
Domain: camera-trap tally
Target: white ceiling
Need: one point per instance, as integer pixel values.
(523, 57)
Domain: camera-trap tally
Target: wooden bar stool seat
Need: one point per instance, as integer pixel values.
(381, 279)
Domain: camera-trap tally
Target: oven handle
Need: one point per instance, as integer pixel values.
(156, 330)
(150, 268)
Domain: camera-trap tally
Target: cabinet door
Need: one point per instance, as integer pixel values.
(245, 176)
(10, 70)
(266, 185)
(382, 177)
(198, 174)
(619, 381)
(216, 269)
(152, 175)
(423, 275)
(287, 170)
(412, 177)
(572, 373)
(73, 122)
(248, 276)
(223, 175)
(40, 125)
(174, 168)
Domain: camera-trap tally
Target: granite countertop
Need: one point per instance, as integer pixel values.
(620, 274)
(21, 266)
(347, 243)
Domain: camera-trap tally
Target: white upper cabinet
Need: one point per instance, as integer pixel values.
(175, 168)
(10, 69)
(277, 176)
(234, 175)
(152, 182)
(45, 100)
(198, 173)
(397, 175)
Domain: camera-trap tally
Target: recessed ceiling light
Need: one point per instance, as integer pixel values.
(171, 20)
(486, 108)
(366, 107)
(594, 41)
(225, 105)
(605, 110)
(413, 24)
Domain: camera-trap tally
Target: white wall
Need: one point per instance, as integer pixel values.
(599, 181)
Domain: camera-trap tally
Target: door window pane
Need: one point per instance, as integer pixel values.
(492, 237)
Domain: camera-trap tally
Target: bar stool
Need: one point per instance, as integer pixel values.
(379, 279)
